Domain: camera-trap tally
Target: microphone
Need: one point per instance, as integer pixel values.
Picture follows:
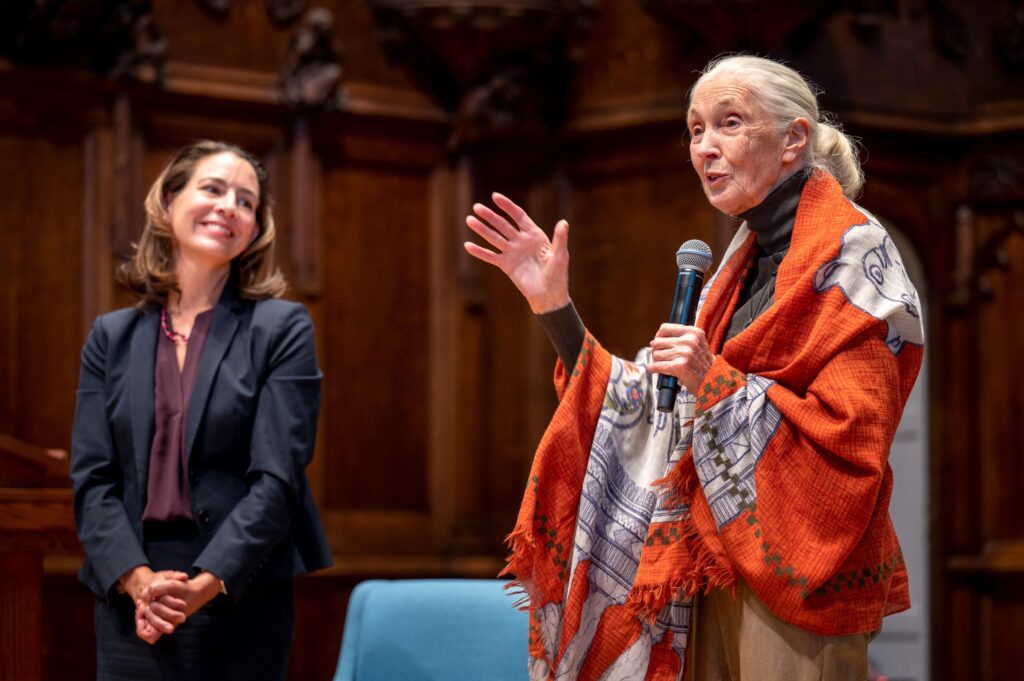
(694, 260)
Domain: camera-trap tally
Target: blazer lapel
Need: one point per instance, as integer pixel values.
(141, 365)
(222, 330)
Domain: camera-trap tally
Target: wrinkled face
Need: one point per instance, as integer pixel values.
(214, 216)
(735, 149)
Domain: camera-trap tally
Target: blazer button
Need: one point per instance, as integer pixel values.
(203, 516)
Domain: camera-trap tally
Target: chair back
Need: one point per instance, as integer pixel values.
(433, 630)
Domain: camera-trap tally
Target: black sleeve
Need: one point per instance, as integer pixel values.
(565, 330)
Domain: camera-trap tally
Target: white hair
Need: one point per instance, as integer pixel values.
(786, 95)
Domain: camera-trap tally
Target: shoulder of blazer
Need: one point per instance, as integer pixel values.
(118, 322)
(274, 314)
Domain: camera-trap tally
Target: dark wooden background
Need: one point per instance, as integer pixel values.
(381, 132)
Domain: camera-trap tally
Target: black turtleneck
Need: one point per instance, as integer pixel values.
(772, 222)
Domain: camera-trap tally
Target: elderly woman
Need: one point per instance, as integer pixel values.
(746, 535)
(196, 419)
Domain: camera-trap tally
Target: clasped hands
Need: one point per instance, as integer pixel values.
(539, 267)
(166, 598)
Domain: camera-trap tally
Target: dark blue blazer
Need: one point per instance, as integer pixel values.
(251, 431)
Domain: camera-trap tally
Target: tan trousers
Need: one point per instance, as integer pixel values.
(741, 640)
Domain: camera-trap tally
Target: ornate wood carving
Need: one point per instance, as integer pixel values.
(220, 8)
(996, 185)
(312, 71)
(284, 12)
(494, 64)
(111, 38)
(280, 12)
(870, 15)
(998, 178)
(950, 32)
(993, 254)
(1009, 37)
(720, 25)
(144, 61)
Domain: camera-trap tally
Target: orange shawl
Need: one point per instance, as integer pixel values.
(775, 472)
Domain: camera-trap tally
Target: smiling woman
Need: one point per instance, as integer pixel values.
(196, 419)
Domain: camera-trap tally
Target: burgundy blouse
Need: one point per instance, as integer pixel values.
(167, 495)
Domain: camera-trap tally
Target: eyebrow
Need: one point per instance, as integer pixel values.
(240, 190)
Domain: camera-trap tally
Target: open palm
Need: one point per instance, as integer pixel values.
(538, 266)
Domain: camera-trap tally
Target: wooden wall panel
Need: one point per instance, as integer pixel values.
(375, 339)
(1000, 403)
(631, 61)
(42, 241)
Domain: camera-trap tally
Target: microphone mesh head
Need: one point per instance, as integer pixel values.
(694, 255)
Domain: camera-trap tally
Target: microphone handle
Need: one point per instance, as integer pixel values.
(684, 311)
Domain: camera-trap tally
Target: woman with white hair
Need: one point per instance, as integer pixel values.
(760, 547)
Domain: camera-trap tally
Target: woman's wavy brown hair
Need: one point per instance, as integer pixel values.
(149, 274)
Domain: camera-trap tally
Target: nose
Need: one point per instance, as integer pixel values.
(226, 205)
(707, 146)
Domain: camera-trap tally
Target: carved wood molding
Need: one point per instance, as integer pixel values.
(1004, 557)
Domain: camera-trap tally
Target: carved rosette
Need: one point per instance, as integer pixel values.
(497, 65)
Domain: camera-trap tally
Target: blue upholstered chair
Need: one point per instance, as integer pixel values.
(433, 630)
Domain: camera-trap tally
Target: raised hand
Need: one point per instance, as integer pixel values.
(538, 266)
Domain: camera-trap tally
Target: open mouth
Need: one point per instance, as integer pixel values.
(713, 178)
(217, 228)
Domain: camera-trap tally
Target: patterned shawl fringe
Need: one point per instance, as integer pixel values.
(708, 569)
(522, 555)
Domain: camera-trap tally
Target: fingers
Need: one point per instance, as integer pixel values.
(172, 602)
(481, 253)
(495, 221)
(488, 234)
(518, 215)
(174, 617)
(172, 574)
(560, 239)
(677, 330)
(158, 623)
(144, 630)
(175, 589)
